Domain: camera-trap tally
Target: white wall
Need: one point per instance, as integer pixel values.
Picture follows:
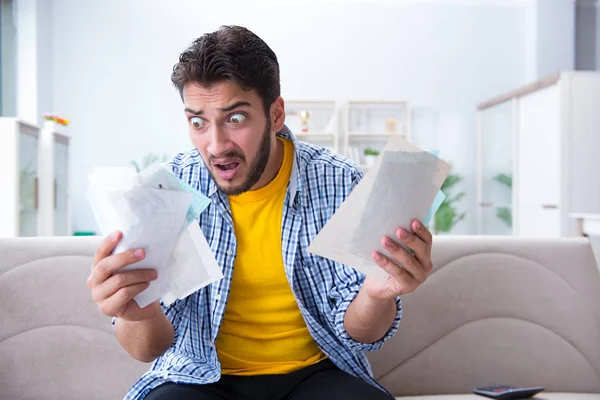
(34, 80)
(597, 40)
(45, 51)
(113, 59)
(586, 36)
(555, 36)
(26, 42)
(8, 86)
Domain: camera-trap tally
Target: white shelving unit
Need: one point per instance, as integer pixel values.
(545, 139)
(34, 179)
(19, 201)
(54, 218)
(320, 127)
(369, 124)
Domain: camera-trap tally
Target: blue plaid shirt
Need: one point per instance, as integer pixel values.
(319, 183)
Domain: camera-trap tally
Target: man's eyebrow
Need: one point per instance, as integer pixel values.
(224, 109)
(235, 105)
(189, 110)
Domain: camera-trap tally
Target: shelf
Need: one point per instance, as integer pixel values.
(374, 135)
(315, 134)
(378, 102)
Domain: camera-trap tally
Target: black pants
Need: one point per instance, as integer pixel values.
(320, 381)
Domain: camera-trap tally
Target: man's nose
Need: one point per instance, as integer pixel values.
(219, 142)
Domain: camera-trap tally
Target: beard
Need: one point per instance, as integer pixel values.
(256, 168)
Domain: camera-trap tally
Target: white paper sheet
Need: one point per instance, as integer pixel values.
(159, 176)
(156, 212)
(193, 265)
(401, 186)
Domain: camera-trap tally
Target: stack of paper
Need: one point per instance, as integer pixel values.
(403, 184)
(155, 210)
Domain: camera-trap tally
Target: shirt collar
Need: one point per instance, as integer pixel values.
(295, 186)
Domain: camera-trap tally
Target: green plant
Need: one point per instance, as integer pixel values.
(27, 191)
(369, 151)
(504, 179)
(504, 213)
(446, 217)
(148, 160)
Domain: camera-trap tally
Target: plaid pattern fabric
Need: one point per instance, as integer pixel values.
(319, 183)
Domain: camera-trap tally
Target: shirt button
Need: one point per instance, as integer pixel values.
(229, 252)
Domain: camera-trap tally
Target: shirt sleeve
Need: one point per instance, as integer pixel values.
(347, 284)
(343, 293)
(173, 313)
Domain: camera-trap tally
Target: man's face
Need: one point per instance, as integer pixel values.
(229, 128)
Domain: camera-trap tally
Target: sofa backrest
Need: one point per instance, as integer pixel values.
(499, 310)
(495, 310)
(54, 344)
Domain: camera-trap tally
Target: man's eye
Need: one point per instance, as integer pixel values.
(197, 122)
(237, 118)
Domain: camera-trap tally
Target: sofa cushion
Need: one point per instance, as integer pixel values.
(495, 310)
(54, 344)
(510, 310)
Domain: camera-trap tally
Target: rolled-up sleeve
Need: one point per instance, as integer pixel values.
(347, 286)
(173, 312)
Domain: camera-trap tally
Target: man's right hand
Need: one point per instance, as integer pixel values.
(113, 292)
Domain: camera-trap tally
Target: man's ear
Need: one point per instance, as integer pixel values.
(277, 113)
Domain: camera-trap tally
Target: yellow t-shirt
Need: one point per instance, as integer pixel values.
(263, 331)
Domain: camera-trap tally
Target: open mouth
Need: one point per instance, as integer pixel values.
(227, 169)
(228, 166)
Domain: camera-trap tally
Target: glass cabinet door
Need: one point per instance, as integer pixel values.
(61, 156)
(496, 169)
(28, 184)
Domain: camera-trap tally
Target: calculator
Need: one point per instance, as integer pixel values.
(502, 392)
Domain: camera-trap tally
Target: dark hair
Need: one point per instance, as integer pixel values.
(232, 53)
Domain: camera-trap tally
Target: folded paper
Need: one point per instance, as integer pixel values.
(403, 184)
(155, 211)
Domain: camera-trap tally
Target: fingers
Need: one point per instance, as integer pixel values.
(420, 230)
(115, 305)
(107, 246)
(113, 292)
(408, 262)
(107, 266)
(421, 249)
(117, 281)
(400, 275)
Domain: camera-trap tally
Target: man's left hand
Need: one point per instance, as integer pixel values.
(406, 271)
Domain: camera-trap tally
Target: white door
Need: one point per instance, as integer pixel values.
(539, 163)
(61, 157)
(497, 126)
(537, 221)
(28, 182)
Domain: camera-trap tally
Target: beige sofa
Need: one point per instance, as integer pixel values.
(495, 310)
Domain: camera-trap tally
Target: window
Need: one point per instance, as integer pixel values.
(8, 63)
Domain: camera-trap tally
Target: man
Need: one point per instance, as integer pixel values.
(283, 323)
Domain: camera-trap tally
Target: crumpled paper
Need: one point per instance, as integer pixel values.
(156, 211)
